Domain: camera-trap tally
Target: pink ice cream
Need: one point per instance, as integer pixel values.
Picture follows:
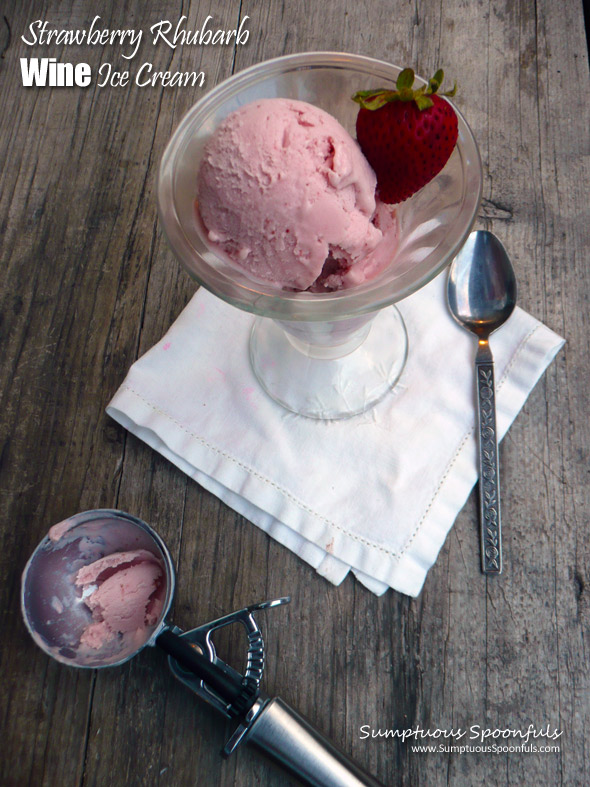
(285, 193)
(122, 592)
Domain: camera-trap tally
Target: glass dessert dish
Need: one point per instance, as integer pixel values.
(335, 354)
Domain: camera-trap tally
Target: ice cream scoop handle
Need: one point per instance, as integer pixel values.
(193, 660)
(287, 738)
(489, 477)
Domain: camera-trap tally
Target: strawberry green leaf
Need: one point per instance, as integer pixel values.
(405, 80)
(376, 102)
(406, 94)
(436, 81)
(423, 102)
(362, 94)
(375, 99)
(451, 93)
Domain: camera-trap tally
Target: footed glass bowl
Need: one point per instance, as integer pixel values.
(335, 354)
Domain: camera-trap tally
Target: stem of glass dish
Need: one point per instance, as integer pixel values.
(327, 340)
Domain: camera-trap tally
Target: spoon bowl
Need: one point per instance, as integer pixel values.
(482, 286)
(481, 293)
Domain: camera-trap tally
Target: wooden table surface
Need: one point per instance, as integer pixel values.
(89, 284)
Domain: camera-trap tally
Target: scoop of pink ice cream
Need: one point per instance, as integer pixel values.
(286, 193)
(122, 592)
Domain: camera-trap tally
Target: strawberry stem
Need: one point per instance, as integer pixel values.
(375, 99)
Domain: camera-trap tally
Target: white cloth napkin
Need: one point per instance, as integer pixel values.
(376, 493)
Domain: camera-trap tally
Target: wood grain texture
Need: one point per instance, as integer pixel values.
(88, 284)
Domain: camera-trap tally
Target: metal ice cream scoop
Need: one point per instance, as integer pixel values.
(56, 616)
(481, 293)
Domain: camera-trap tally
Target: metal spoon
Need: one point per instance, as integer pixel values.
(481, 293)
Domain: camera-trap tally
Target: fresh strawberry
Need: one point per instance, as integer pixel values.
(406, 135)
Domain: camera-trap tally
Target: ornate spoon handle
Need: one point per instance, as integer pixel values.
(489, 477)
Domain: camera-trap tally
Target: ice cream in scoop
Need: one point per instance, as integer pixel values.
(122, 592)
(285, 193)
